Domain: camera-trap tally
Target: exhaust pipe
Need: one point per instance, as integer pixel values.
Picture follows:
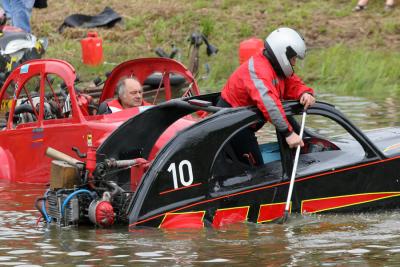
(58, 155)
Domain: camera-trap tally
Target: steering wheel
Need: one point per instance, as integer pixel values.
(315, 144)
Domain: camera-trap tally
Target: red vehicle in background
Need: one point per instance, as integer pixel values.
(33, 117)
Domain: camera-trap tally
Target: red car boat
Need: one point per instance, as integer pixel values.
(33, 117)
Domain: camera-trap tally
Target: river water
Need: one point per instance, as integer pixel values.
(314, 240)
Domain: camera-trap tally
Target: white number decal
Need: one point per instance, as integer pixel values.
(189, 170)
(184, 180)
(172, 169)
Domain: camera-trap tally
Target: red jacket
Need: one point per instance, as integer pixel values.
(256, 83)
(115, 105)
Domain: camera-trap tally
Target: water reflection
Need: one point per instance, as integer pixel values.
(365, 239)
(328, 240)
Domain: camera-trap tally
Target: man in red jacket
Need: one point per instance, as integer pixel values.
(265, 80)
(130, 94)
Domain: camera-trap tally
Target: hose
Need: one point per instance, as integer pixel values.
(74, 194)
(116, 189)
(38, 208)
(46, 216)
(42, 210)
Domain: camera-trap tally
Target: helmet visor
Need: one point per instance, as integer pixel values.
(300, 53)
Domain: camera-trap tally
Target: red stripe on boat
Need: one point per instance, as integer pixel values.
(192, 220)
(230, 215)
(180, 188)
(329, 203)
(270, 212)
(299, 180)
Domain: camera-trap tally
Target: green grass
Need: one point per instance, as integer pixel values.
(358, 71)
(349, 53)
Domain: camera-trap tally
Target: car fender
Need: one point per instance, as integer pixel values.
(7, 170)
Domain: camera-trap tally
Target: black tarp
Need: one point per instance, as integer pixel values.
(107, 18)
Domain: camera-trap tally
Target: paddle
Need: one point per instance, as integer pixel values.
(296, 161)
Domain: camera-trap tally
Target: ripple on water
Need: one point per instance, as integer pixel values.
(395, 250)
(7, 258)
(377, 246)
(358, 251)
(144, 261)
(328, 264)
(150, 254)
(215, 261)
(78, 253)
(107, 247)
(15, 263)
(335, 251)
(21, 251)
(33, 231)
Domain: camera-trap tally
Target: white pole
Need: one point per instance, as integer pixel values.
(296, 160)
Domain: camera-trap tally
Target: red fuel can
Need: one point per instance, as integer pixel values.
(92, 49)
(249, 47)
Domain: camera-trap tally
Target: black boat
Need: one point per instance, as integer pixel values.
(197, 180)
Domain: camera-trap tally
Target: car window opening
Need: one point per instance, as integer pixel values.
(327, 145)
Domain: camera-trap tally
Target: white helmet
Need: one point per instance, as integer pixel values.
(283, 44)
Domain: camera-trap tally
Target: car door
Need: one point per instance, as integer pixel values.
(20, 138)
(35, 120)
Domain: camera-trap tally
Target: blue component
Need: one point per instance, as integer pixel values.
(24, 69)
(70, 196)
(270, 152)
(46, 216)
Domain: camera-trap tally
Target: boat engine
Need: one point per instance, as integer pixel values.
(72, 199)
(64, 206)
(67, 200)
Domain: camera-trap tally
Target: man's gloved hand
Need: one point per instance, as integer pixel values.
(293, 140)
(307, 100)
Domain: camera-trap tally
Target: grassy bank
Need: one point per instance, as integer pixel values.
(350, 52)
(358, 71)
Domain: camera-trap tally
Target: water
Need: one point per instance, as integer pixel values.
(312, 240)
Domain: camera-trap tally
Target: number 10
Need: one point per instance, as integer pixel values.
(182, 177)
